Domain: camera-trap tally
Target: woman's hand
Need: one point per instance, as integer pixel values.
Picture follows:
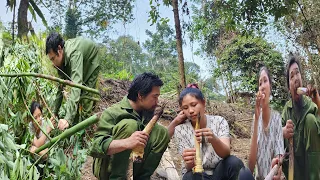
(188, 156)
(205, 135)
(259, 97)
(273, 163)
(181, 117)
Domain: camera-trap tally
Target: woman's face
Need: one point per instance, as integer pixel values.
(264, 87)
(37, 116)
(191, 107)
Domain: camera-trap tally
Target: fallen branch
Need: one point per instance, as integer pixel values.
(52, 78)
(71, 131)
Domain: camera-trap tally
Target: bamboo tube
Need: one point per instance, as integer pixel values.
(71, 131)
(291, 160)
(198, 161)
(138, 152)
(52, 78)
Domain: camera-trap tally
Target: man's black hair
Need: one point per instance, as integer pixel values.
(53, 41)
(34, 106)
(292, 60)
(143, 84)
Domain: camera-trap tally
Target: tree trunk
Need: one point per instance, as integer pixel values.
(23, 18)
(13, 20)
(231, 89)
(179, 43)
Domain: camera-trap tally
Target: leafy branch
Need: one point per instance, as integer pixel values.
(52, 78)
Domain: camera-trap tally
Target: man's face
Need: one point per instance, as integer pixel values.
(150, 101)
(56, 58)
(295, 81)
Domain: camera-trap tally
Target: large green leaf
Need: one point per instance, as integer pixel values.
(34, 16)
(39, 12)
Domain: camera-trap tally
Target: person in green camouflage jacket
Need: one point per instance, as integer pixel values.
(120, 130)
(77, 60)
(301, 121)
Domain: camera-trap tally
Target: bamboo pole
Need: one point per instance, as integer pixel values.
(137, 153)
(71, 131)
(198, 161)
(52, 78)
(291, 160)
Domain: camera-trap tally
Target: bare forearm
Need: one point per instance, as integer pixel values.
(117, 146)
(221, 148)
(41, 141)
(253, 147)
(171, 128)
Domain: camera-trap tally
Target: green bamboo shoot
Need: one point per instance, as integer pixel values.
(71, 131)
(52, 78)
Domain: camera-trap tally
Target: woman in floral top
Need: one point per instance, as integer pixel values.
(213, 133)
(266, 137)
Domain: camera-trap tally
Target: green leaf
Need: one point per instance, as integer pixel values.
(11, 113)
(49, 123)
(36, 174)
(38, 11)
(10, 144)
(30, 174)
(32, 13)
(21, 169)
(4, 127)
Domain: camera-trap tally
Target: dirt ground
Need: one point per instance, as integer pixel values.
(239, 119)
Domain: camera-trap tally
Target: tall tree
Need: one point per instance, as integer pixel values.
(154, 16)
(161, 46)
(72, 28)
(241, 61)
(179, 43)
(23, 24)
(96, 16)
(23, 18)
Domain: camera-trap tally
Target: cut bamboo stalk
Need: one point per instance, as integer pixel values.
(198, 161)
(52, 78)
(138, 152)
(291, 160)
(71, 131)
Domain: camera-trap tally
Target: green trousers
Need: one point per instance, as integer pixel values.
(115, 167)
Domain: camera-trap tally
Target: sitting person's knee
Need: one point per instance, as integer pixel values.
(234, 162)
(245, 174)
(126, 127)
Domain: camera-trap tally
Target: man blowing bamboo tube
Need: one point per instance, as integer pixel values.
(120, 130)
(301, 122)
